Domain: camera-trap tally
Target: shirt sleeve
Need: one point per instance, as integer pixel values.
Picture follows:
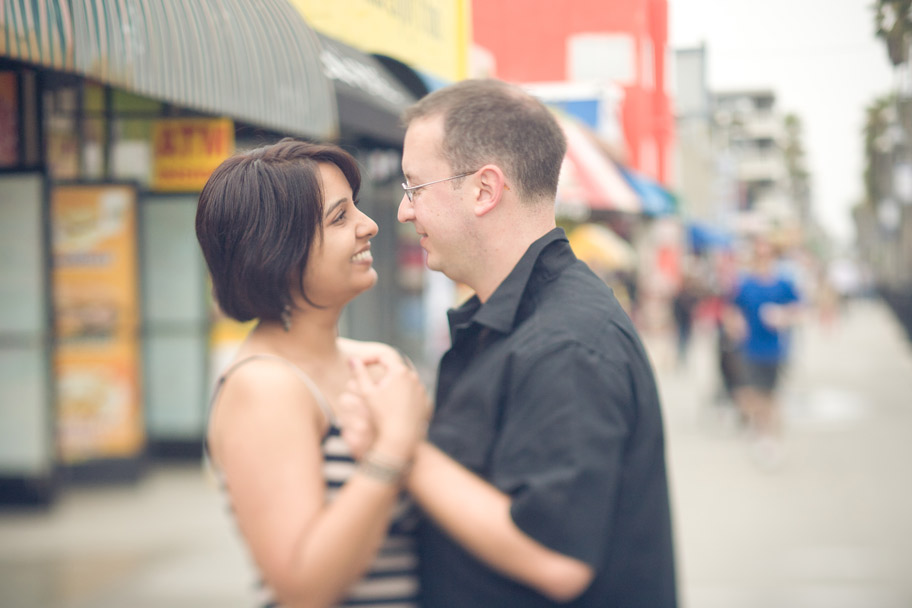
(792, 295)
(560, 450)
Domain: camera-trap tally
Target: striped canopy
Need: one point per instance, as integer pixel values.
(258, 62)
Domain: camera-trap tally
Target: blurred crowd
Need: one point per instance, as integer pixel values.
(752, 293)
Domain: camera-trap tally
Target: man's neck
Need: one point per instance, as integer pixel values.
(504, 254)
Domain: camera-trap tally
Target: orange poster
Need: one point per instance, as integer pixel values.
(98, 414)
(96, 304)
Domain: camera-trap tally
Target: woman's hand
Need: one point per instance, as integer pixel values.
(358, 429)
(387, 414)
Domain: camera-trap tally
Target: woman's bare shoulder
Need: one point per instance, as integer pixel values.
(265, 389)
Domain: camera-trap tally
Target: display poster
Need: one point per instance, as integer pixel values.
(95, 285)
(187, 150)
(9, 120)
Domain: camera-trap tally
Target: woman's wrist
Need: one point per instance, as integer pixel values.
(382, 467)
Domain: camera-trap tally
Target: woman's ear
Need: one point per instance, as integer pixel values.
(489, 187)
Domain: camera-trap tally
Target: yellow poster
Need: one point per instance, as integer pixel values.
(187, 150)
(96, 301)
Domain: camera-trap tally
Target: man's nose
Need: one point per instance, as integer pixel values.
(406, 210)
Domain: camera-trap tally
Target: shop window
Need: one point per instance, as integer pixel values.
(61, 105)
(131, 151)
(93, 148)
(123, 103)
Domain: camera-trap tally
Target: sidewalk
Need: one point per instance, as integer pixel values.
(831, 528)
(168, 542)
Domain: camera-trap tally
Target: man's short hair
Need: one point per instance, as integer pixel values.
(258, 216)
(490, 121)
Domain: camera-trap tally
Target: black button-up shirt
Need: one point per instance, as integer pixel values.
(547, 393)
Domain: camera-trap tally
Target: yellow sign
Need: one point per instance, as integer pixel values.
(431, 35)
(187, 150)
(96, 301)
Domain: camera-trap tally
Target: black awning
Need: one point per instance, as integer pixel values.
(370, 99)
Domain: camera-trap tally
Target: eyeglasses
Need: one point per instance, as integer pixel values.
(410, 190)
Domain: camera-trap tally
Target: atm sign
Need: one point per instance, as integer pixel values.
(187, 150)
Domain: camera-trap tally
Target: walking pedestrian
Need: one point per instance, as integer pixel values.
(765, 307)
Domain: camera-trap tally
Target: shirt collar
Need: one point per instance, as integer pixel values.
(499, 312)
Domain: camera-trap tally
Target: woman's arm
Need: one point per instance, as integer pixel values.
(265, 436)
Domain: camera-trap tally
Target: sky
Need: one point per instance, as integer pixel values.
(822, 60)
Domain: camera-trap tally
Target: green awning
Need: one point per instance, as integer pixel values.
(258, 62)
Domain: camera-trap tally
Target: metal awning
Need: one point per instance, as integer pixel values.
(258, 62)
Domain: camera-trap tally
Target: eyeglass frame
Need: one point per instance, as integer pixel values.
(410, 190)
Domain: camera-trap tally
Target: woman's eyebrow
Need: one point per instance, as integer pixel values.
(334, 205)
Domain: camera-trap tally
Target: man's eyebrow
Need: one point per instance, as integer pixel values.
(334, 205)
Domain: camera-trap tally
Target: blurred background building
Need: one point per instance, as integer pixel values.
(113, 114)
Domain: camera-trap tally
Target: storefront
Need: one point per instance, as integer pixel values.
(113, 116)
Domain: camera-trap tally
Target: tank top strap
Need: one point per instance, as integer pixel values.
(322, 402)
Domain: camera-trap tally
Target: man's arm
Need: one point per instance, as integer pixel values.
(477, 516)
(470, 510)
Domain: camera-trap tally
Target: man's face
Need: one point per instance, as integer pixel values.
(441, 212)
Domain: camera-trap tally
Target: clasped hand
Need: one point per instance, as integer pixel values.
(386, 413)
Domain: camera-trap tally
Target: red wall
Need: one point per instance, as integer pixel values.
(528, 39)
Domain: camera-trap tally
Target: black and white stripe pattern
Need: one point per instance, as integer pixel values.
(392, 580)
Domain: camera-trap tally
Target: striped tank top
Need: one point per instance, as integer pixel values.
(392, 579)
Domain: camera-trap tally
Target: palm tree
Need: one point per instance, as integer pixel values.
(795, 165)
(876, 127)
(893, 23)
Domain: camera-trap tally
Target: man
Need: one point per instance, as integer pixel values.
(764, 308)
(543, 477)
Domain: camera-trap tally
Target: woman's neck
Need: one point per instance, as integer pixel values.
(311, 336)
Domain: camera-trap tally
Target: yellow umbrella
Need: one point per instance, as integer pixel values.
(598, 245)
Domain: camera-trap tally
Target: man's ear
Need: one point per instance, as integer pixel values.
(489, 189)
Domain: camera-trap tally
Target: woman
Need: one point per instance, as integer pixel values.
(286, 244)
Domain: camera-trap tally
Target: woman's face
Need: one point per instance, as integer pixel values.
(340, 265)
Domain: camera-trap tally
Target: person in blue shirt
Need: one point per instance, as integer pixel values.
(765, 306)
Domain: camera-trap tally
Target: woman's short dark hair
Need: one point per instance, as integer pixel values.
(257, 218)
